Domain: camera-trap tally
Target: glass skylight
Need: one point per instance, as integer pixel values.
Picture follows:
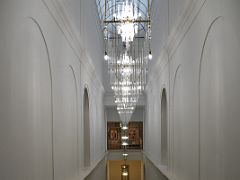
(141, 6)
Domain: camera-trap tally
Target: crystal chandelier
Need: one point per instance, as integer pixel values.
(125, 13)
(127, 34)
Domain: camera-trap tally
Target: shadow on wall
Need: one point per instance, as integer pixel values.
(86, 129)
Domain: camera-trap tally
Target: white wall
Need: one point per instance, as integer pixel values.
(100, 172)
(199, 67)
(151, 172)
(44, 67)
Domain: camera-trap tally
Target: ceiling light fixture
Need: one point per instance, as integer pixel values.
(125, 171)
(150, 55)
(124, 137)
(127, 35)
(105, 56)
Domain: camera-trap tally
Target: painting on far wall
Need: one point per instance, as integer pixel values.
(135, 134)
(113, 135)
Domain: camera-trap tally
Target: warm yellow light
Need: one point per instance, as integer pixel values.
(124, 127)
(124, 137)
(125, 173)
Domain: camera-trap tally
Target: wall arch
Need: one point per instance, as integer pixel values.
(176, 114)
(45, 81)
(75, 121)
(208, 98)
(86, 129)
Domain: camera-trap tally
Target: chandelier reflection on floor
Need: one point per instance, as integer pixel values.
(127, 34)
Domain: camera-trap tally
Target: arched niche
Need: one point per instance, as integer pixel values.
(86, 129)
(164, 129)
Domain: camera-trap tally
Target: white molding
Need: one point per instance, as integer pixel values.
(175, 38)
(70, 32)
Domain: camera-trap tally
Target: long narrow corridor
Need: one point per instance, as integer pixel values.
(60, 75)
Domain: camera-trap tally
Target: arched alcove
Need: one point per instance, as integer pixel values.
(86, 129)
(164, 128)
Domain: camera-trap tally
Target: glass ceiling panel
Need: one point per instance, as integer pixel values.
(140, 6)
